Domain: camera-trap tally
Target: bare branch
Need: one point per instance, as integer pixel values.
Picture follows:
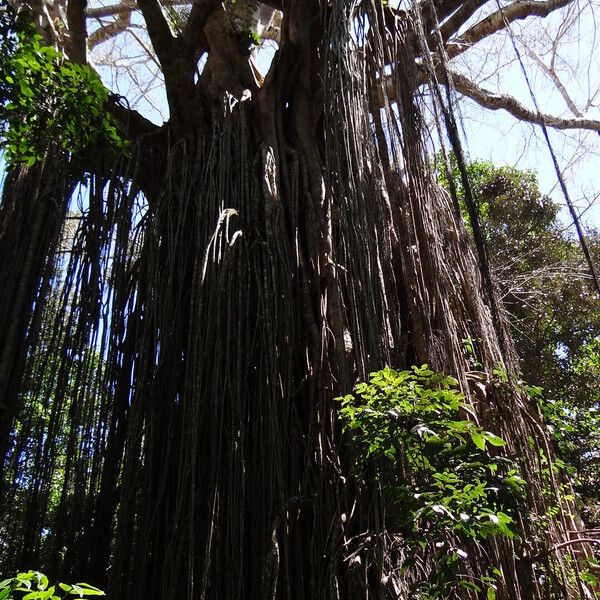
(122, 11)
(521, 9)
(493, 101)
(110, 10)
(558, 84)
(105, 32)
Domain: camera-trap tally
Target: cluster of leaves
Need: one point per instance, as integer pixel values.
(443, 476)
(572, 423)
(46, 102)
(553, 309)
(33, 585)
(8, 40)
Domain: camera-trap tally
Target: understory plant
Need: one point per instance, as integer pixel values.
(448, 486)
(33, 585)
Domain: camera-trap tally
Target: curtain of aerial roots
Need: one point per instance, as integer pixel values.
(32, 209)
(178, 427)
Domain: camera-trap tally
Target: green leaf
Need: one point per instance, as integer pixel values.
(23, 581)
(90, 590)
(494, 440)
(478, 440)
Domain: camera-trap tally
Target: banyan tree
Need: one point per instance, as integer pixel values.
(182, 305)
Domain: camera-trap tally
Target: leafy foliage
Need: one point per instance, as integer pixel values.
(554, 312)
(33, 585)
(47, 102)
(446, 483)
(573, 423)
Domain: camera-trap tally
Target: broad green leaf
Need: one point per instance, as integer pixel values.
(494, 439)
(478, 440)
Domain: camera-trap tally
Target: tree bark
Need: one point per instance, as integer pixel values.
(280, 255)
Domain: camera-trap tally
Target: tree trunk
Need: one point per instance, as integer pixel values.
(282, 256)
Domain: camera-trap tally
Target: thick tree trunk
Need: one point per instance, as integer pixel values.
(282, 255)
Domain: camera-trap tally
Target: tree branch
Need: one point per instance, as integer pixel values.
(134, 125)
(443, 8)
(111, 10)
(105, 32)
(521, 9)
(193, 33)
(460, 17)
(77, 31)
(556, 547)
(558, 84)
(493, 101)
(159, 31)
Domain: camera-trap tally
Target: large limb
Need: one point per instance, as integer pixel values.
(176, 65)
(492, 101)
(495, 101)
(499, 20)
(451, 26)
(132, 124)
(193, 33)
(160, 34)
(76, 21)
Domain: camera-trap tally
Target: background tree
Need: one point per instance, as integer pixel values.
(234, 271)
(554, 313)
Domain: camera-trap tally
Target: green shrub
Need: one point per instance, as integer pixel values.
(33, 585)
(446, 484)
